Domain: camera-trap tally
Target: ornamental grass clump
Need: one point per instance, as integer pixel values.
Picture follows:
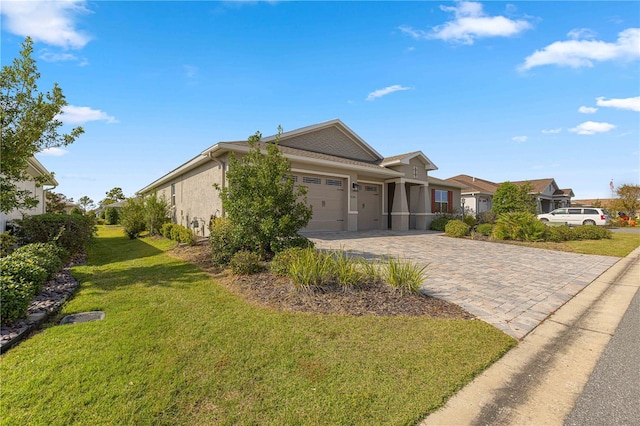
(309, 269)
(346, 270)
(405, 276)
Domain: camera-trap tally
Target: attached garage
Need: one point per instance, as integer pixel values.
(369, 206)
(328, 199)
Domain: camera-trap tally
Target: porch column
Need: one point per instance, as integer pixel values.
(400, 210)
(421, 213)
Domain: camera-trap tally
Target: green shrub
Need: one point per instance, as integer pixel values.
(15, 297)
(484, 229)
(111, 216)
(73, 232)
(521, 226)
(155, 212)
(76, 211)
(223, 241)
(132, 217)
(456, 228)
(591, 232)
(284, 243)
(471, 221)
(25, 269)
(186, 236)
(245, 263)
(439, 223)
(282, 260)
(558, 234)
(7, 242)
(405, 276)
(49, 256)
(486, 217)
(166, 229)
(346, 270)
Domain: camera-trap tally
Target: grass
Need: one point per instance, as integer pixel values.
(177, 348)
(620, 245)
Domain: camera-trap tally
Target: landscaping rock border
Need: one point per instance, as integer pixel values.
(44, 305)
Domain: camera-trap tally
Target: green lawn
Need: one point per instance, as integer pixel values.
(177, 348)
(620, 245)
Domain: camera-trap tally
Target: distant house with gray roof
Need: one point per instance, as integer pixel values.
(478, 193)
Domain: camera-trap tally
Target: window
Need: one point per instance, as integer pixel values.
(575, 211)
(333, 182)
(441, 201)
(173, 194)
(307, 179)
(591, 211)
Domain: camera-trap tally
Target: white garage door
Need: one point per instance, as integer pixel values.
(327, 197)
(369, 207)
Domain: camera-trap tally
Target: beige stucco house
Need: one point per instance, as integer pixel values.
(477, 194)
(350, 185)
(35, 169)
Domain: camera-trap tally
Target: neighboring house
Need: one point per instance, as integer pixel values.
(34, 169)
(478, 193)
(350, 185)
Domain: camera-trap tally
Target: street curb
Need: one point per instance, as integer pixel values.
(539, 381)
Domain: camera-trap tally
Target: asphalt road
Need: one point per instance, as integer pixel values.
(612, 394)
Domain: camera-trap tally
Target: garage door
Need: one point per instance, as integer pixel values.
(327, 197)
(369, 207)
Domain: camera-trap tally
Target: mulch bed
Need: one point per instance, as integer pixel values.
(268, 290)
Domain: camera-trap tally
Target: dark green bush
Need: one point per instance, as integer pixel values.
(25, 269)
(558, 234)
(73, 232)
(111, 216)
(591, 232)
(7, 241)
(245, 263)
(281, 244)
(456, 228)
(470, 220)
(282, 260)
(439, 223)
(484, 229)
(15, 297)
(224, 243)
(49, 256)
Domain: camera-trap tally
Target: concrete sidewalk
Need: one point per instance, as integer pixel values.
(539, 381)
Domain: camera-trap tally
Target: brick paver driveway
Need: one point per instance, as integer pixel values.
(511, 287)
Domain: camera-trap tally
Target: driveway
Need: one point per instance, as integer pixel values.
(511, 287)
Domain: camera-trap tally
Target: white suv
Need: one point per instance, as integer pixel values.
(577, 216)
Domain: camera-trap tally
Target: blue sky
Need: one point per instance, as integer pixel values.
(501, 91)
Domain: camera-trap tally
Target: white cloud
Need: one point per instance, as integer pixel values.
(632, 104)
(49, 56)
(469, 24)
(581, 33)
(78, 115)
(583, 53)
(592, 127)
(552, 131)
(51, 22)
(519, 139)
(387, 90)
(53, 152)
(587, 110)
